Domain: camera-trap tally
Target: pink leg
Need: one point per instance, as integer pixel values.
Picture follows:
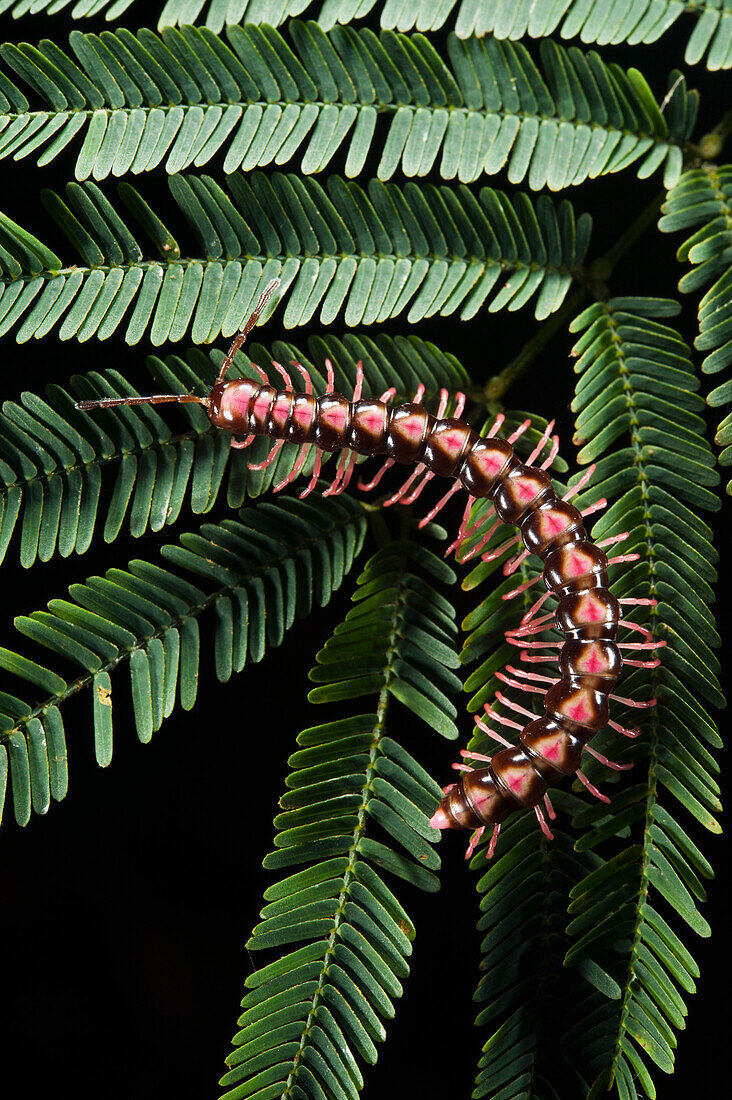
(462, 531)
(337, 486)
(642, 664)
(474, 840)
(608, 763)
(549, 808)
(590, 787)
(240, 445)
(481, 542)
(499, 718)
(623, 558)
(305, 375)
(350, 467)
(387, 395)
(301, 458)
(632, 702)
(495, 426)
(417, 399)
(514, 706)
(520, 684)
(330, 373)
(468, 755)
(637, 601)
(542, 822)
(358, 388)
(535, 607)
(415, 493)
(512, 565)
(624, 730)
(492, 845)
(368, 485)
(553, 452)
(459, 405)
(541, 444)
(521, 588)
(418, 469)
(596, 507)
(316, 474)
(519, 431)
(279, 444)
(581, 483)
(440, 504)
(285, 376)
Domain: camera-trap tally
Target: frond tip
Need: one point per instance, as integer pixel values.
(357, 805)
(255, 574)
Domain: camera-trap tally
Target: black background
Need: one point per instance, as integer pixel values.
(124, 916)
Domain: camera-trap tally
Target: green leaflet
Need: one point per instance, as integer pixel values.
(703, 198)
(255, 572)
(641, 22)
(336, 248)
(313, 1012)
(665, 476)
(180, 97)
(55, 460)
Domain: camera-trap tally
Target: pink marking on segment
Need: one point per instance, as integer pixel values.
(542, 822)
(608, 763)
(281, 409)
(591, 610)
(578, 712)
(551, 749)
(261, 404)
(590, 787)
(335, 416)
(553, 523)
(492, 844)
(452, 441)
(412, 426)
(578, 564)
(515, 781)
(549, 808)
(593, 662)
(475, 838)
(303, 414)
(372, 421)
(490, 462)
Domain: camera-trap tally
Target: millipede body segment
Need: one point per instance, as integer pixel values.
(575, 571)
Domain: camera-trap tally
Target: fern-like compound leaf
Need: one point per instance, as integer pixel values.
(255, 573)
(336, 249)
(181, 97)
(55, 461)
(702, 200)
(76, 9)
(639, 22)
(340, 937)
(638, 416)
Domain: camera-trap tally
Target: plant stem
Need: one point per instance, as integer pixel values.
(592, 281)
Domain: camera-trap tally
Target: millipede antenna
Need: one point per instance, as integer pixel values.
(190, 398)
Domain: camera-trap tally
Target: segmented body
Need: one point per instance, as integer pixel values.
(575, 570)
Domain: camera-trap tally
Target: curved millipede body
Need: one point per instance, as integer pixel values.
(574, 570)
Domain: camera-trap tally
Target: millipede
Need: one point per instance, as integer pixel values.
(521, 494)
